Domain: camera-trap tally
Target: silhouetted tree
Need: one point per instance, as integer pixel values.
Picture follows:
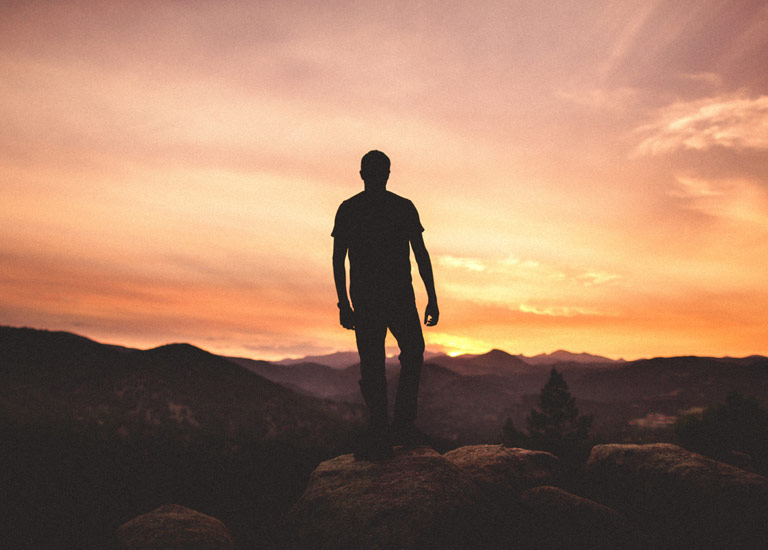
(740, 424)
(557, 426)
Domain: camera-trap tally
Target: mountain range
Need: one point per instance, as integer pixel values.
(465, 398)
(344, 359)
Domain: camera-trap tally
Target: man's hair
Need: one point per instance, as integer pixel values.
(374, 161)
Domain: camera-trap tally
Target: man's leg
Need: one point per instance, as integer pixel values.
(370, 335)
(405, 325)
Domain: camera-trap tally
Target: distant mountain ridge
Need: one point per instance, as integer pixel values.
(339, 359)
(494, 362)
(563, 356)
(344, 359)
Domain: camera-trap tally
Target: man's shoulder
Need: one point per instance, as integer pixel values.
(362, 197)
(362, 201)
(399, 201)
(396, 197)
(352, 201)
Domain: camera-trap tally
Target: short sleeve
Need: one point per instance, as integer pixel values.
(414, 224)
(341, 224)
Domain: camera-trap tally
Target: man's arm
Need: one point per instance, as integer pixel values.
(432, 313)
(346, 315)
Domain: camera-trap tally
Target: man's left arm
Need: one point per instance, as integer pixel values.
(432, 313)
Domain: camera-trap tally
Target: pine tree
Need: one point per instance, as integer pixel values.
(557, 426)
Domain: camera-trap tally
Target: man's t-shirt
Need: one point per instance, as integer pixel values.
(377, 230)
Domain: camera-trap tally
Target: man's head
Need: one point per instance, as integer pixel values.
(374, 169)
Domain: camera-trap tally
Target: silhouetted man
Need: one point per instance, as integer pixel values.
(378, 228)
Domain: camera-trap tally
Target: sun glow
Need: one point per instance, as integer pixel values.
(454, 345)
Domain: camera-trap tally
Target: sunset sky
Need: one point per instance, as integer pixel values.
(592, 175)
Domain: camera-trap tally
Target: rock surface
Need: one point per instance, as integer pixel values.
(656, 496)
(682, 499)
(174, 527)
(557, 519)
(503, 473)
(418, 500)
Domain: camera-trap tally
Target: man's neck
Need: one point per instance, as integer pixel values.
(375, 193)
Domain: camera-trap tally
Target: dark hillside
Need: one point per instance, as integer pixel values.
(687, 380)
(309, 378)
(464, 409)
(93, 435)
(29, 356)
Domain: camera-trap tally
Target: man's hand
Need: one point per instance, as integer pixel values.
(432, 314)
(346, 317)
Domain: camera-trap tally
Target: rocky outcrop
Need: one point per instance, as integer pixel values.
(418, 500)
(681, 499)
(174, 527)
(555, 519)
(503, 473)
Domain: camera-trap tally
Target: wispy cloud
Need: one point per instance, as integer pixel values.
(731, 122)
(528, 286)
(710, 78)
(470, 264)
(598, 277)
(526, 269)
(736, 200)
(512, 263)
(694, 188)
(627, 38)
(558, 311)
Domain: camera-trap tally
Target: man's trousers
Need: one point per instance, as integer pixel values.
(371, 323)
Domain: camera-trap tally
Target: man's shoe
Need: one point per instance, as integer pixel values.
(374, 446)
(409, 436)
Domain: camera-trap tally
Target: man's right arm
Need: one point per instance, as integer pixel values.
(346, 315)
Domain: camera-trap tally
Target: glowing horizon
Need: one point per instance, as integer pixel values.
(591, 177)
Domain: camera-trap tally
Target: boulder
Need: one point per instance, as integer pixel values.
(681, 499)
(174, 527)
(557, 519)
(417, 500)
(503, 473)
